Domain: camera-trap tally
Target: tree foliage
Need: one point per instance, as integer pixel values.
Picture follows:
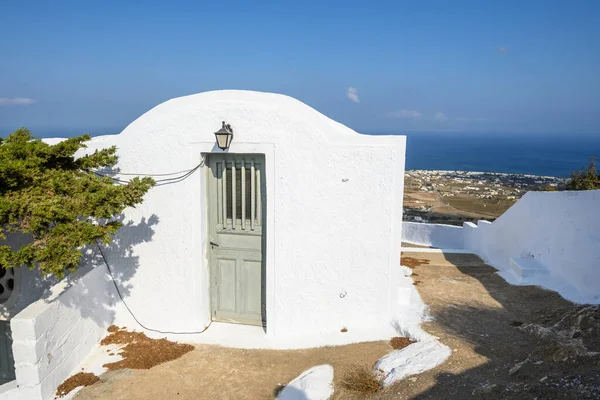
(586, 179)
(56, 199)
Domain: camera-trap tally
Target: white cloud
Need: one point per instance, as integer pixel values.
(466, 119)
(404, 113)
(440, 116)
(503, 50)
(15, 101)
(352, 94)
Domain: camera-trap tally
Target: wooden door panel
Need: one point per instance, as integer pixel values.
(251, 288)
(226, 284)
(236, 219)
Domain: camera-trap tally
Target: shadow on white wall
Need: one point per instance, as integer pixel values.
(120, 255)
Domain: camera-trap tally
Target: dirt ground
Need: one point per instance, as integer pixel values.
(481, 318)
(214, 372)
(477, 314)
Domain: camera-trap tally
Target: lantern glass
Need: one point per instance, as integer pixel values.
(223, 139)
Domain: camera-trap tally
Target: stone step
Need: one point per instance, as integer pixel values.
(528, 267)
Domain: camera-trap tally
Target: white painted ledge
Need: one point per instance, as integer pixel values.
(9, 391)
(528, 268)
(313, 384)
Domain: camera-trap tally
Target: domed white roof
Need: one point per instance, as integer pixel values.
(254, 116)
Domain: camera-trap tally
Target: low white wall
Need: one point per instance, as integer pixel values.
(54, 335)
(560, 230)
(9, 391)
(30, 285)
(434, 235)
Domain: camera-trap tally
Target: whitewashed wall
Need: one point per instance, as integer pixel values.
(334, 214)
(559, 230)
(55, 334)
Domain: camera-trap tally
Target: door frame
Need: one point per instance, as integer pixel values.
(197, 150)
(211, 219)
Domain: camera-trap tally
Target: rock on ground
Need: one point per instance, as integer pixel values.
(312, 384)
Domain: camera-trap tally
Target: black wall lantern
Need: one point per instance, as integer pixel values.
(224, 136)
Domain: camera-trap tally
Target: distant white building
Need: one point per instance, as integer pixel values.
(295, 228)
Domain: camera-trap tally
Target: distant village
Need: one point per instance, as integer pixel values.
(457, 196)
(481, 184)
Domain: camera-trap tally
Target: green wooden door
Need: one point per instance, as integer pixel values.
(236, 228)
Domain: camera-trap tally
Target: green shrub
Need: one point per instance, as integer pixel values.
(585, 179)
(56, 199)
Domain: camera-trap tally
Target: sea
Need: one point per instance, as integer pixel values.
(535, 154)
(531, 154)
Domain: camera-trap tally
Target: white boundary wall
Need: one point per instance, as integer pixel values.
(434, 235)
(54, 335)
(559, 232)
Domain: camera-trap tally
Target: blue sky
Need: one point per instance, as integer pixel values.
(68, 67)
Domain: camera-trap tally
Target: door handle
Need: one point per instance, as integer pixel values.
(214, 244)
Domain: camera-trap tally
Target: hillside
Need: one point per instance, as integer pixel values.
(454, 197)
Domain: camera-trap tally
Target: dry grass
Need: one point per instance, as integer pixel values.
(494, 207)
(213, 372)
(400, 342)
(412, 262)
(141, 352)
(80, 379)
(361, 378)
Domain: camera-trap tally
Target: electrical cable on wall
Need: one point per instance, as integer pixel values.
(165, 174)
(129, 309)
(186, 173)
(184, 176)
